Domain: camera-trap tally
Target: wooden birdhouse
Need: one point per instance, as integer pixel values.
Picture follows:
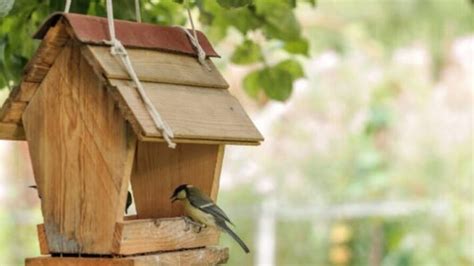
(90, 136)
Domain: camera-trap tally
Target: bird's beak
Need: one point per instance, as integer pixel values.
(173, 198)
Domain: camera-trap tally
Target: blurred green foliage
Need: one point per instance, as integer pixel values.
(375, 124)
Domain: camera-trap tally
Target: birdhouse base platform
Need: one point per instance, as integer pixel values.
(199, 256)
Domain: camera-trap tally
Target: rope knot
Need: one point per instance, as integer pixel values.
(116, 47)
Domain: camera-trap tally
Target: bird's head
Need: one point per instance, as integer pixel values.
(180, 193)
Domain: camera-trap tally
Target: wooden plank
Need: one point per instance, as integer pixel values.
(11, 131)
(37, 68)
(153, 235)
(36, 72)
(202, 256)
(12, 109)
(156, 66)
(80, 149)
(200, 141)
(43, 242)
(128, 114)
(12, 112)
(158, 170)
(217, 172)
(191, 112)
(25, 91)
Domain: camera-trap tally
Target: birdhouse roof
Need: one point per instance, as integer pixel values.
(192, 99)
(94, 30)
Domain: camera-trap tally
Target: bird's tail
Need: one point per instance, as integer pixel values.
(226, 228)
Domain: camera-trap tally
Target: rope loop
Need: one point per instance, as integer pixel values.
(195, 42)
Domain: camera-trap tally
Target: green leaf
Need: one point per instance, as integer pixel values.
(234, 3)
(292, 67)
(280, 20)
(251, 84)
(246, 53)
(277, 83)
(300, 46)
(242, 19)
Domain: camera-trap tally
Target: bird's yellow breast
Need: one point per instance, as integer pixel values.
(198, 215)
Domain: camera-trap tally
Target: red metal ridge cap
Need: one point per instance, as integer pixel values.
(94, 30)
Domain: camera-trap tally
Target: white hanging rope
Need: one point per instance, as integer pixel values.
(67, 6)
(138, 15)
(195, 42)
(119, 50)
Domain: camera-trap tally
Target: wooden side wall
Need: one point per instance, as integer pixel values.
(82, 153)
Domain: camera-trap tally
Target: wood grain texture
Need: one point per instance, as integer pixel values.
(25, 91)
(158, 170)
(37, 68)
(11, 131)
(12, 111)
(191, 112)
(42, 240)
(34, 72)
(217, 172)
(11, 127)
(79, 147)
(153, 235)
(202, 256)
(156, 66)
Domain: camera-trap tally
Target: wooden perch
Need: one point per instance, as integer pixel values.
(142, 236)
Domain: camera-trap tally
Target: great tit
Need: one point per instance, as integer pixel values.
(203, 210)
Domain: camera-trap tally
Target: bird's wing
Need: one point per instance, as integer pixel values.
(204, 203)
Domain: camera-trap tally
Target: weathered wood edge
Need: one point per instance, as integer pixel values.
(201, 141)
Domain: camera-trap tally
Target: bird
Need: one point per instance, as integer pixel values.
(202, 209)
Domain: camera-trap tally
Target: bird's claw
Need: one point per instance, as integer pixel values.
(189, 222)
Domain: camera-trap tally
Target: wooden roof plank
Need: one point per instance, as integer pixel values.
(191, 112)
(156, 66)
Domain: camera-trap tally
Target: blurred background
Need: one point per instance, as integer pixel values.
(368, 162)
